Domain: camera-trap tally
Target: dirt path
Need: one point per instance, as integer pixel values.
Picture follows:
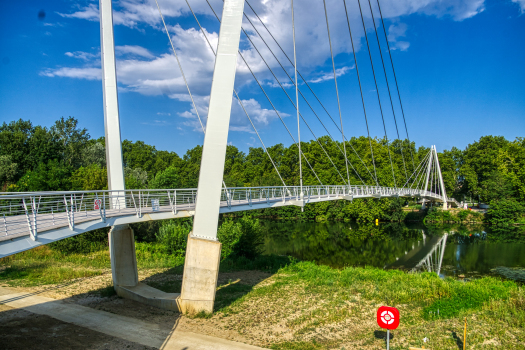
(31, 319)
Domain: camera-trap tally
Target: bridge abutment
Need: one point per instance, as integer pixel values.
(201, 270)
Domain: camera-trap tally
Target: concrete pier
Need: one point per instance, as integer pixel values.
(123, 256)
(125, 273)
(201, 269)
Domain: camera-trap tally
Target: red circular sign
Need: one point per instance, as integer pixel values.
(388, 317)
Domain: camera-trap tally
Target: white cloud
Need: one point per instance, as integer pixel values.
(79, 73)
(140, 71)
(521, 4)
(134, 50)
(330, 75)
(85, 56)
(89, 12)
(396, 31)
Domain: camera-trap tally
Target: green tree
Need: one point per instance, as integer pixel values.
(169, 178)
(72, 140)
(504, 212)
(53, 176)
(92, 177)
(8, 171)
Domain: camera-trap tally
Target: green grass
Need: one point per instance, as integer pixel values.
(43, 265)
(47, 265)
(309, 300)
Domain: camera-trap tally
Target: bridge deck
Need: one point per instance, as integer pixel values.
(33, 219)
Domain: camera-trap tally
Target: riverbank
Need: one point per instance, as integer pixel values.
(298, 306)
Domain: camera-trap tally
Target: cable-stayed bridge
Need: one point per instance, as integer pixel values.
(39, 218)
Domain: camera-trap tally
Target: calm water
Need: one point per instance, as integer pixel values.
(450, 251)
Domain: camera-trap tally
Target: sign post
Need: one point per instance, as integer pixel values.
(388, 318)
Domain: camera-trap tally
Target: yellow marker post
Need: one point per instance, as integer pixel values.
(377, 222)
(465, 335)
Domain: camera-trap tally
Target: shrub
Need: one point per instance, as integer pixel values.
(85, 243)
(173, 236)
(462, 215)
(504, 212)
(240, 238)
(228, 234)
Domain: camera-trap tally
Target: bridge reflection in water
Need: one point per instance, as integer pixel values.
(427, 256)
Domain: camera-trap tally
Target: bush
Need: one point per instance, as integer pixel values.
(85, 243)
(228, 234)
(173, 236)
(462, 215)
(504, 212)
(240, 238)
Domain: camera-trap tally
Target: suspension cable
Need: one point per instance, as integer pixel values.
(387, 85)
(297, 104)
(377, 91)
(395, 79)
(180, 67)
(183, 76)
(360, 89)
(269, 100)
(304, 98)
(415, 178)
(423, 174)
(238, 99)
(301, 76)
(291, 101)
(336, 90)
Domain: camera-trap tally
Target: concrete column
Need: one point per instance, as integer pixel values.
(203, 251)
(123, 257)
(201, 269)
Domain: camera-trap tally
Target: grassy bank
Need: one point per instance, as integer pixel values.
(316, 307)
(285, 304)
(301, 305)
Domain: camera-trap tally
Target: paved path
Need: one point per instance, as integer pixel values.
(144, 333)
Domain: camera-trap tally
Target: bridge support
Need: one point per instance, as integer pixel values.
(121, 240)
(203, 251)
(123, 256)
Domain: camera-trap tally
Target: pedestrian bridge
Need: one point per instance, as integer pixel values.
(38, 218)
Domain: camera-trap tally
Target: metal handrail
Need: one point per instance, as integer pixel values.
(33, 212)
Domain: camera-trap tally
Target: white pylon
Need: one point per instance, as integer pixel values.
(434, 161)
(111, 113)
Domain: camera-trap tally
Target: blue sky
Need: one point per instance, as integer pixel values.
(460, 67)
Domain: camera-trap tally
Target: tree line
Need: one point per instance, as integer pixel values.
(65, 157)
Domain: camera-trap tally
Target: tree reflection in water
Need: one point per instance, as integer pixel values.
(397, 245)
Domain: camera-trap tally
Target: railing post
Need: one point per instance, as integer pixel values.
(5, 224)
(73, 208)
(68, 213)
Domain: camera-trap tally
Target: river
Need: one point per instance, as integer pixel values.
(456, 250)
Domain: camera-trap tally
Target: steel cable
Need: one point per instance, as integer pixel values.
(395, 79)
(290, 99)
(240, 101)
(297, 104)
(336, 89)
(301, 76)
(269, 100)
(377, 91)
(387, 85)
(311, 108)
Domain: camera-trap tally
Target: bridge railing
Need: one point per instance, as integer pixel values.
(35, 212)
